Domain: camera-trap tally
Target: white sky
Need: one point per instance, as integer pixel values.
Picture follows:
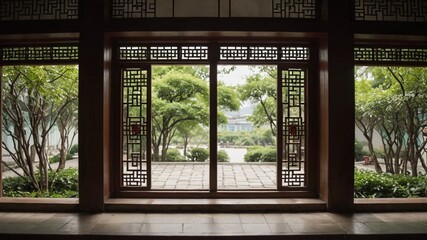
(236, 77)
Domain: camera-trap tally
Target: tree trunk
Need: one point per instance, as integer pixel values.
(63, 149)
(185, 144)
(378, 168)
(164, 146)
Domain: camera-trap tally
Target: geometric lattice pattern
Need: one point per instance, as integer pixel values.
(234, 53)
(17, 10)
(296, 53)
(135, 141)
(289, 9)
(194, 52)
(39, 53)
(391, 10)
(305, 9)
(162, 53)
(293, 128)
(200, 52)
(133, 53)
(264, 53)
(395, 55)
(133, 8)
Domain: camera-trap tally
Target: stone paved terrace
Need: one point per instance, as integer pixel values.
(230, 176)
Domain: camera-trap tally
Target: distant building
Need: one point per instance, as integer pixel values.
(238, 123)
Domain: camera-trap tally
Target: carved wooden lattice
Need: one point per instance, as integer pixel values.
(16, 10)
(133, 8)
(135, 128)
(295, 53)
(299, 9)
(390, 55)
(11, 54)
(163, 53)
(391, 10)
(264, 53)
(293, 128)
(305, 9)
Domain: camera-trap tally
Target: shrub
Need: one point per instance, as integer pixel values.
(269, 155)
(173, 155)
(368, 184)
(260, 154)
(223, 156)
(198, 155)
(74, 149)
(63, 184)
(56, 158)
(253, 156)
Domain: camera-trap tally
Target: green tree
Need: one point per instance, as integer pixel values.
(261, 88)
(395, 105)
(180, 98)
(177, 98)
(33, 99)
(366, 116)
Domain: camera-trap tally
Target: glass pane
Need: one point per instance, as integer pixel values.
(39, 131)
(391, 133)
(247, 110)
(180, 129)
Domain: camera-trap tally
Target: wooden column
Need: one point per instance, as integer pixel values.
(93, 108)
(337, 109)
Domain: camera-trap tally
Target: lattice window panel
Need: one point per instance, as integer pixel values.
(264, 53)
(293, 129)
(295, 53)
(135, 125)
(305, 9)
(391, 10)
(133, 8)
(17, 10)
(163, 53)
(234, 53)
(194, 53)
(289, 9)
(395, 55)
(133, 53)
(38, 53)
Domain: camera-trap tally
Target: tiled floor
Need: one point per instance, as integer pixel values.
(230, 176)
(213, 224)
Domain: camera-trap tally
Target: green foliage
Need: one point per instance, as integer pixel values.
(359, 153)
(223, 156)
(260, 154)
(260, 136)
(392, 101)
(57, 157)
(74, 149)
(369, 184)
(173, 155)
(64, 184)
(35, 99)
(198, 155)
(227, 98)
(261, 88)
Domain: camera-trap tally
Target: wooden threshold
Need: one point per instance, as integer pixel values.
(161, 205)
(390, 204)
(39, 204)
